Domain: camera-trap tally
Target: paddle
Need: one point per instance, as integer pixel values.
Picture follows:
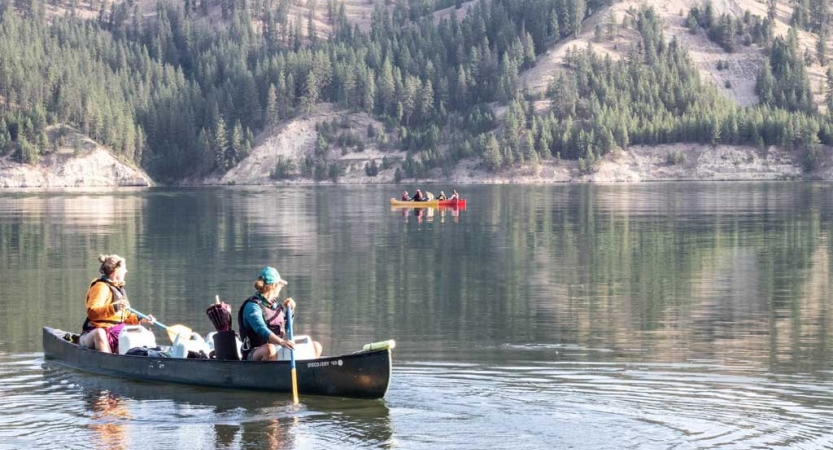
(173, 330)
(291, 354)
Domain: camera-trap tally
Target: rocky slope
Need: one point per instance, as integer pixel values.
(90, 166)
(678, 162)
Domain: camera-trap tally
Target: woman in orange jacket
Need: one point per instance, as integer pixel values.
(108, 307)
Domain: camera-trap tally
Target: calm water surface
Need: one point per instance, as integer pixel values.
(652, 316)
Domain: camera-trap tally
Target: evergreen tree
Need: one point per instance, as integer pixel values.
(386, 87)
(765, 83)
(491, 155)
(312, 32)
(577, 9)
(220, 144)
(368, 99)
(828, 95)
(554, 26)
(272, 112)
(311, 92)
(237, 145)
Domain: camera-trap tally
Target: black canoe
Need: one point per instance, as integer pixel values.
(359, 375)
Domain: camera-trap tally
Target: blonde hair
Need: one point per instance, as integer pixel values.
(267, 290)
(109, 263)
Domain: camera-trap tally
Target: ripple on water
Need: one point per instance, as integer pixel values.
(557, 404)
(85, 410)
(533, 405)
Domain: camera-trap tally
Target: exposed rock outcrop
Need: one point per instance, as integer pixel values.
(90, 166)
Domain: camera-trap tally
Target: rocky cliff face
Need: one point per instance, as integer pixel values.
(92, 167)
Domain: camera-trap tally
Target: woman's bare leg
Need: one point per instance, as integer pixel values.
(266, 352)
(96, 339)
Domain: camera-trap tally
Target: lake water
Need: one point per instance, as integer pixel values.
(691, 315)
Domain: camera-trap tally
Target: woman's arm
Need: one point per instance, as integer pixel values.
(254, 319)
(98, 302)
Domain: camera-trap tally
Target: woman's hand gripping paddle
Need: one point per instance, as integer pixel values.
(173, 330)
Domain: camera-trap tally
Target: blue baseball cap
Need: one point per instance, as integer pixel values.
(271, 276)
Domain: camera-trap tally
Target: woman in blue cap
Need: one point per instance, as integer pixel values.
(262, 321)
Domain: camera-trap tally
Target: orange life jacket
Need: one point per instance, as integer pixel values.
(100, 311)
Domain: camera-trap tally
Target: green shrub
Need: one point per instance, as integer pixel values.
(334, 171)
(284, 169)
(810, 160)
(371, 169)
(675, 157)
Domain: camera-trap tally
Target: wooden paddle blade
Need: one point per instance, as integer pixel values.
(174, 330)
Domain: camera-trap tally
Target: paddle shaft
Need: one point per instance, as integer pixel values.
(291, 354)
(159, 324)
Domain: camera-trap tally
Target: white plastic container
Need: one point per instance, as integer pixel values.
(181, 346)
(304, 349)
(132, 336)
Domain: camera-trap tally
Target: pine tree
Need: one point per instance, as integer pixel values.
(220, 144)
(828, 95)
(311, 92)
(491, 155)
(426, 101)
(237, 145)
(530, 154)
(821, 47)
(554, 27)
(369, 93)
(578, 9)
(386, 88)
(312, 32)
(204, 145)
(272, 113)
(321, 146)
(765, 83)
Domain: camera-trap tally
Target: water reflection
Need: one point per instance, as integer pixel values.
(107, 421)
(638, 310)
(269, 433)
(427, 214)
(216, 418)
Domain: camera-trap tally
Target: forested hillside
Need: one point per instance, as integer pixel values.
(184, 91)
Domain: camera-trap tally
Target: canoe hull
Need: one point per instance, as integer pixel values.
(357, 375)
(429, 203)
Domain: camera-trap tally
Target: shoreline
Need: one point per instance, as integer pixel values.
(638, 164)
